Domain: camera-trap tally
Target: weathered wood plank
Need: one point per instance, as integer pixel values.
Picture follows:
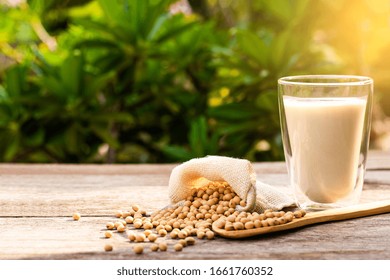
(62, 238)
(37, 201)
(43, 191)
(378, 160)
(86, 169)
(61, 194)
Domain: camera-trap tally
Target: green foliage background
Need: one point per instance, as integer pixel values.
(129, 81)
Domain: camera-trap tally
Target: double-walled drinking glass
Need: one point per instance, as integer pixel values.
(325, 125)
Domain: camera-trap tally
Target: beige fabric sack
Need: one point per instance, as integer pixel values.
(238, 173)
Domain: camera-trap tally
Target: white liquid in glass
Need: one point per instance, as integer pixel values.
(325, 137)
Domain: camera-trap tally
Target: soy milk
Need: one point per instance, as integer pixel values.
(325, 137)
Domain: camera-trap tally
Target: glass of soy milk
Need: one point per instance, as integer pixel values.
(325, 124)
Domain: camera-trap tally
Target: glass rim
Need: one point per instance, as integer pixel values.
(298, 80)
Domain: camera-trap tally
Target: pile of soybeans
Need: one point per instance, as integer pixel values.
(214, 203)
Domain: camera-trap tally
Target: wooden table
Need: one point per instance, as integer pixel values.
(37, 203)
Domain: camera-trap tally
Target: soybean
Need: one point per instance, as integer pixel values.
(110, 225)
(215, 203)
(108, 247)
(154, 247)
(131, 236)
(152, 237)
(163, 246)
(76, 216)
(140, 237)
(119, 214)
(178, 247)
(138, 249)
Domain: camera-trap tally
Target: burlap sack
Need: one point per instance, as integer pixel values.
(238, 173)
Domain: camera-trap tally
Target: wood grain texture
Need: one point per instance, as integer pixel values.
(37, 202)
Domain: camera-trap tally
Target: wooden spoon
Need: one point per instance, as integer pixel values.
(337, 214)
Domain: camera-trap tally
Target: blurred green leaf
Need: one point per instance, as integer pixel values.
(105, 135)
(54, 85)
(268, 101)
(104, 29)
(120, 117)
(138, 17)
(36, 138)
(279, 48)
(73, 137)
(198, 137)
(12, 143)
(3, 94)
(157, 26)
(118, 13)
(96, 84)
(238, 127)
(281, 8)
(71, 72)
(15, 80)
(253, 46)
(174, 31)
(97, 43)
(154, 17)
(109, 61)
(234, 111)
(300, 7)
(39, 6)
(177, 152)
